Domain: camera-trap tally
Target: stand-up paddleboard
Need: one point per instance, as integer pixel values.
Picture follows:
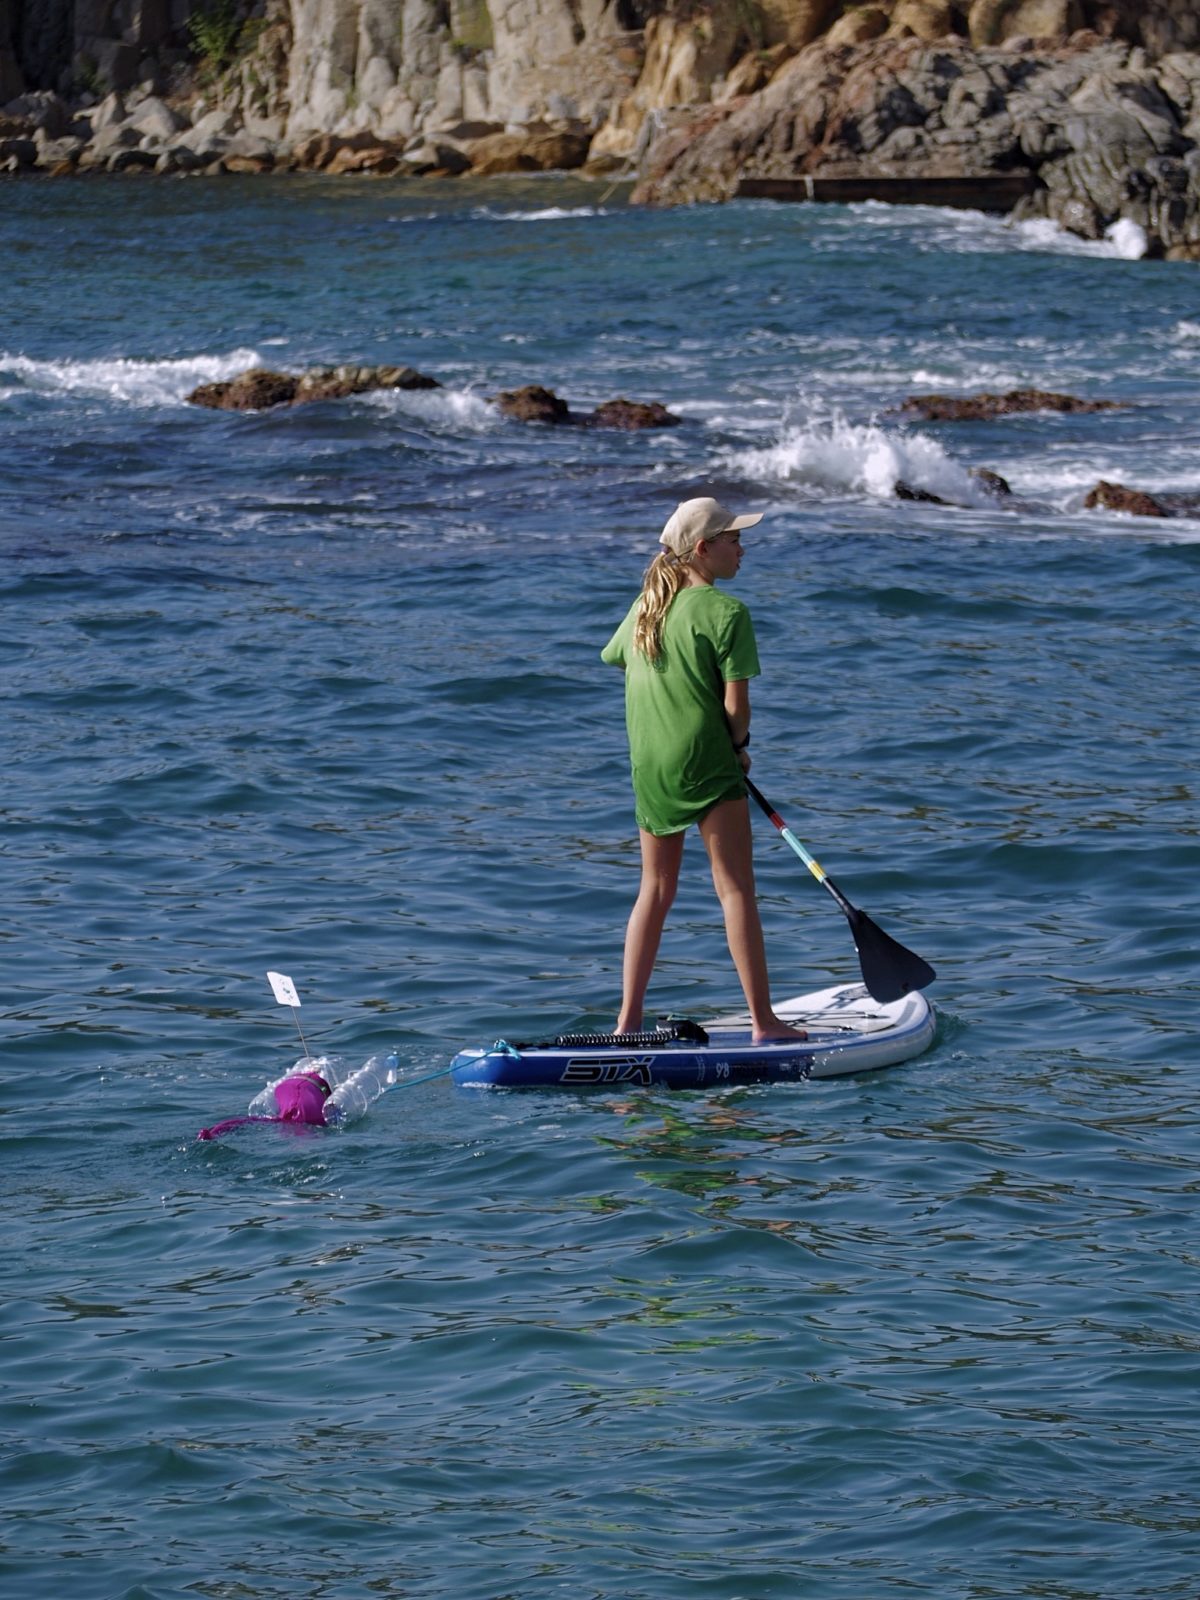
(847, 1032)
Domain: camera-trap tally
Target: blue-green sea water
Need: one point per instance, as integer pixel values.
(318, 691)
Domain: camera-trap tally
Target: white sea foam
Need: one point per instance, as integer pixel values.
(133, 382)
(971, 232)
(498, 214)
(827, 452)
(1185, 330)
(1128, 239)
(1062, 481)
(978, 376)
(461, 409)
(1123, 241)
(545, 214)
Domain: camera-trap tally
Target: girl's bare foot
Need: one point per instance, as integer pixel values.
(777, 1032)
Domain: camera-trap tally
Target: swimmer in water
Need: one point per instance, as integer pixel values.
(301, 1099)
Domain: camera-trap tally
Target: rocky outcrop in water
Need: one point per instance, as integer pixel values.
(533, 403)
(985, 407)
(259, 389)
(1117, 497)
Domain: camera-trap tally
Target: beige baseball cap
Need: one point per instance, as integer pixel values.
(693, 520)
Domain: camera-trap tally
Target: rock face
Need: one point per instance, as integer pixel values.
(1101, 133)
(259, 389)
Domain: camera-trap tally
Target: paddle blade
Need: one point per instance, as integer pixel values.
(889, 970)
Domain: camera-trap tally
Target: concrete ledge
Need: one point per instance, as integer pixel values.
(991, 192)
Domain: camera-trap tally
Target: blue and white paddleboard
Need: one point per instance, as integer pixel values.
(847, 1032)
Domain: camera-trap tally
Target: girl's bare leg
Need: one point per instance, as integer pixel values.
(726, 834)
(660, 877)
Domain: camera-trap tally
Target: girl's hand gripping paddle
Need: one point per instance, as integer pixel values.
(889, 970)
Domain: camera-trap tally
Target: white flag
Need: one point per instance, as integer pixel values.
(284, 989)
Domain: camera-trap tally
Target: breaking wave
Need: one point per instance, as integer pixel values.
(461, 409)
(122, 378)
(829, 453)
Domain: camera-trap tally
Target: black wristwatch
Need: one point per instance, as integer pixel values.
(743, 744)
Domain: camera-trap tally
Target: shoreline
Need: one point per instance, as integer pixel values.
(1088, 132)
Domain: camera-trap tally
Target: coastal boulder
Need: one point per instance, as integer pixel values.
(246, 152)
(435, 157)
(631, 415)
(533, 403)
(44, 110)
(859, 26)
(16, 153)
(797, 22)
(332, 152)
(136, 160)
(156, 118)
(256, 390)
(925, 19)
(996, 21)
(1116, 497)
(378, 158)
(535, 150)
(108, 142)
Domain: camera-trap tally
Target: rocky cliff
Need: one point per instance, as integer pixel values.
(397, 67)
(1097, 101)
(1099, 131)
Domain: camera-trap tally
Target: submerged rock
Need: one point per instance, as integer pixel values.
(533, 403)
(909, 491)
(259, 389)
(983, 407)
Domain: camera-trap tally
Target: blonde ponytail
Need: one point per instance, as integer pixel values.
(665, 577)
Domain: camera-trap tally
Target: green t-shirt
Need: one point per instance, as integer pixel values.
(682, 756)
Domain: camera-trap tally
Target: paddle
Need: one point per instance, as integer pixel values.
(889, 970)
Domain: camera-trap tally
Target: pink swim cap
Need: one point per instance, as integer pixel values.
(302, 1099)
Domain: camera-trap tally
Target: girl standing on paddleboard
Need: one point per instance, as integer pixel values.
(688, 652)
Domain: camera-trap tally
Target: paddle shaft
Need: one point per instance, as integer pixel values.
(809, 860)
(889, 970)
